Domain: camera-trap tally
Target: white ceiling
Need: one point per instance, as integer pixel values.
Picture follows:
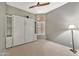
(37, 10)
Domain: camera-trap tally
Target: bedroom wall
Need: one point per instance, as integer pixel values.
(2, 26)
(57, 24)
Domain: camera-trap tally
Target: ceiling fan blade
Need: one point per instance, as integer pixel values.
(33, 6)
(38, 4)
(44, 4)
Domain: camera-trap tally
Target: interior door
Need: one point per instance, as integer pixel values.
(29, 30)
(18, 32)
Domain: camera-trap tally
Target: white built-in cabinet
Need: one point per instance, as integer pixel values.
(19, 30)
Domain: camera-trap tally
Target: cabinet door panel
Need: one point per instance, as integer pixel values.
(29, 30)
(18, 32)
(8, 42)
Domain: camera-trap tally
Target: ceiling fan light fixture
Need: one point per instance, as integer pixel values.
(39, 5)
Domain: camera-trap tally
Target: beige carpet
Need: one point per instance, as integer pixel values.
(41, 48)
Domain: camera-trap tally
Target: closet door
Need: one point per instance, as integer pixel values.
(29, 30)
(18, 31)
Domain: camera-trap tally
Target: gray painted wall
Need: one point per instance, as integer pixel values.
(2, 26)
(57, 24)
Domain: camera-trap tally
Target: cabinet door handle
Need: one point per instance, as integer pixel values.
(35, 27)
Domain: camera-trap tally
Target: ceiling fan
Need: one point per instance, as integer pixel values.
(38, 5)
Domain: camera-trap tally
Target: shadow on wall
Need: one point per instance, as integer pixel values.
(65, 38)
